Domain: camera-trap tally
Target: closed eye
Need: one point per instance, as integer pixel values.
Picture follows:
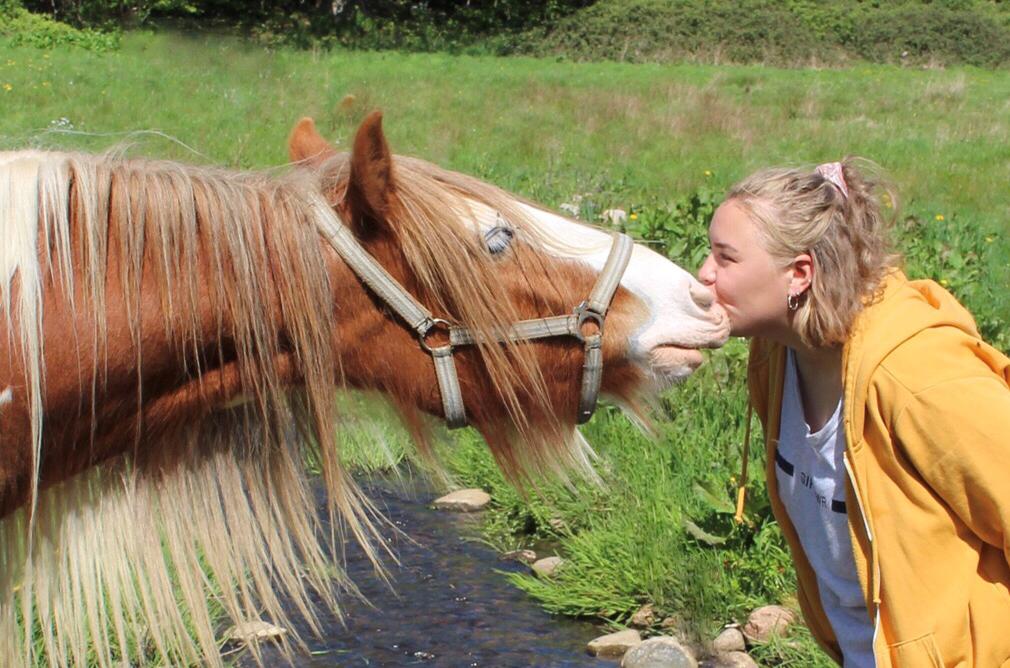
(498, 238)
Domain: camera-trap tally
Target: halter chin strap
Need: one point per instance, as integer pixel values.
(593, 311)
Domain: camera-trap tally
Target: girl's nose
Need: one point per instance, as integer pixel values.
(707, 272)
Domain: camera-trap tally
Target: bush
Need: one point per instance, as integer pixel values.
(106, 14)
(20, 26)
(411, 24)
(788, 32)
(655, 30)
(932, 33)
(973, 32)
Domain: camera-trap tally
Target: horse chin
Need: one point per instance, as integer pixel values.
(671, 364)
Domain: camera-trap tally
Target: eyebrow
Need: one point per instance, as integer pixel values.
(724, 246)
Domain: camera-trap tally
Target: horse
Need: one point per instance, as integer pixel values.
(176, 338)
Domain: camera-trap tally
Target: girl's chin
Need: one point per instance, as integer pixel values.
(743, 330)
(738, 326)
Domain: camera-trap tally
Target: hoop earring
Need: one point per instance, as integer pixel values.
(792, 301)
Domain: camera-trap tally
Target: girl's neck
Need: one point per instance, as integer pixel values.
(819, 361)
(820, 376)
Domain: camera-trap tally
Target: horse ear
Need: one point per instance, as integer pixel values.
(307, 146)
(370, 186)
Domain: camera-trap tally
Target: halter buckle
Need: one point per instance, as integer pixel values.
(585, 314)
(429, 326)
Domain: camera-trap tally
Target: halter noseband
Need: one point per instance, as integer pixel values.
(592, 310)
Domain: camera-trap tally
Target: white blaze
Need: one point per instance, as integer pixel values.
(675, 318)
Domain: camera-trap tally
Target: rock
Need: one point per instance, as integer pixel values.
(547, 566)
(730, 639)
(730, 660)
(464, 500)
(672, 623)
(614, 216)
(644, 617)
(247, 632)
(767, 621)
(571, 209)
(659, 652)
(523, 556)
(614, 645)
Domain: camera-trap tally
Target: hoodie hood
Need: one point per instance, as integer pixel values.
(900, 310)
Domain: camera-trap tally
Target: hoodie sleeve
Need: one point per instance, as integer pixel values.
(956, 432)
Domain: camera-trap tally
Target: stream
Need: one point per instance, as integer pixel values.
(449, 607)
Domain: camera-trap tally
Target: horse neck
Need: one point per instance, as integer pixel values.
(184, 323)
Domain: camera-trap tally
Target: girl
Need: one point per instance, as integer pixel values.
(886, 418)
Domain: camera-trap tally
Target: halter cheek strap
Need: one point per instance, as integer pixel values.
(417, 317)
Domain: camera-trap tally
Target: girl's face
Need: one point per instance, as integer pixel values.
(747, 282)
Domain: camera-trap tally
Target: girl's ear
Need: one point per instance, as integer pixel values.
(802, 274)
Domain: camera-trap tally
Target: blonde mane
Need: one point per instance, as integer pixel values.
(90, 563)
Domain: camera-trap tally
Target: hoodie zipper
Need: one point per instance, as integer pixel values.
(872, 561)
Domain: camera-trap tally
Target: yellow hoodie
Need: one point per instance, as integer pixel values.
(927, 429)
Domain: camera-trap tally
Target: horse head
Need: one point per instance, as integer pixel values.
(481, 260)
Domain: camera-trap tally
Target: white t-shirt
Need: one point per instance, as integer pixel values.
(811, 483)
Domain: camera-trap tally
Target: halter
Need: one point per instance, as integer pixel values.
(593, 310)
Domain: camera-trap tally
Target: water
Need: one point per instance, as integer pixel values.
(449, 608)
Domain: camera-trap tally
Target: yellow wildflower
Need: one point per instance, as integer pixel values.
(7, 87)
(45, 84)
(939, 216)
(708, 172)
(989, 240)
(633, 216)
(944, 282)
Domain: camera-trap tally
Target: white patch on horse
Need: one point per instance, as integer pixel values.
(680, 308)
(34, 197)
(6, 397)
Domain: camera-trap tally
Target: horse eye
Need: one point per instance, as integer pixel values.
(498, 238)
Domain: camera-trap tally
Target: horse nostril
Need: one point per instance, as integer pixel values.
(702, 296)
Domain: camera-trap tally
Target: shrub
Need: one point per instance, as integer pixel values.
(105, 14)
(23, 27)
(932, 33)
(974, 32)
(654, 30)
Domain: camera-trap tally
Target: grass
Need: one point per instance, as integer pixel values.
(548, 129)
(661, 141)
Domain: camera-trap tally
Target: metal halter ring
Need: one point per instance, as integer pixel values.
(433, 324)
(584, 314)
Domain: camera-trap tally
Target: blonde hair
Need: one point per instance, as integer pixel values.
(846, 234)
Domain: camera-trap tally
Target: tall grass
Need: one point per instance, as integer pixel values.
(662, 142)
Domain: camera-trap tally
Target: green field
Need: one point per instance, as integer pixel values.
(661, 141)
